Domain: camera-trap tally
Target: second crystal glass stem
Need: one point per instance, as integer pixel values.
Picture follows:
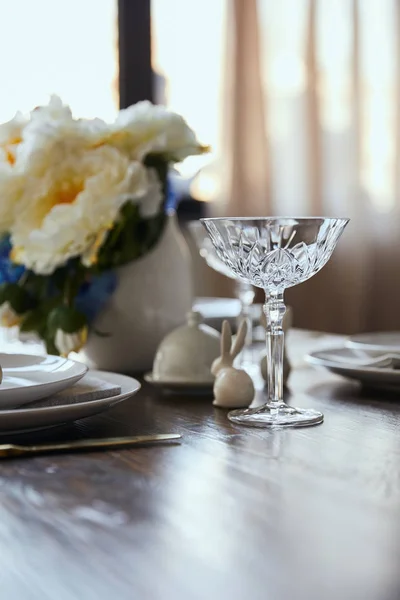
(274, 309)
(245, 293)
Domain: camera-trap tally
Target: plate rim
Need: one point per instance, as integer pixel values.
(123, 396)
(314, 360)
(352, 342)
(34, 386)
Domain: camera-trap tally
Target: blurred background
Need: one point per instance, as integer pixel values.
(299, 99)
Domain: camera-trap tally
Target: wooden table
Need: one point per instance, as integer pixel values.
(230, 513)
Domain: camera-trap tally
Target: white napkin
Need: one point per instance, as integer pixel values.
(85, 390)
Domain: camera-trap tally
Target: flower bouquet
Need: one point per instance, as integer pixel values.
(79, 198)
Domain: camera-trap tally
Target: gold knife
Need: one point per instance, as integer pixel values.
(11, 450)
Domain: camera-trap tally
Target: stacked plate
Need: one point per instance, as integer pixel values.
(33, 391)
(371, 358)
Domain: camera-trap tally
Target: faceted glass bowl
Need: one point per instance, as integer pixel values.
(274, 253)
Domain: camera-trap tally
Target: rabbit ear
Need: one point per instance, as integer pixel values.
(226, 339)
(240, 339)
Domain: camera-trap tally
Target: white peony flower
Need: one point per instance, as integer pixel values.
(63, 181)
(14, 132)
(52, 135)
(70, 342)
(27, 147)
(145, 128)
(8, 316)
(68, 211)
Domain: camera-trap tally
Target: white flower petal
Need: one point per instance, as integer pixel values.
(69, 342)
(145, 128)
(150, 202)
(54, 110)
(12, 130)
(8, 316)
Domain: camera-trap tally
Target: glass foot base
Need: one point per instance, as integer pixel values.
(284, 416)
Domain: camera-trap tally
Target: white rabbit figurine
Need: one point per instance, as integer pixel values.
(233, 388)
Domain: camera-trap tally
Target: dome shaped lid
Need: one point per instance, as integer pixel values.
(187, 353)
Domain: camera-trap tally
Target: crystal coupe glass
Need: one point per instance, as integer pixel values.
(275, 254)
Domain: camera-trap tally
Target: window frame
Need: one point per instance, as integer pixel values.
(134, 49)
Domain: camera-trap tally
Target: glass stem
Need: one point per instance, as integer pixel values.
(245, 293)
(274, 309)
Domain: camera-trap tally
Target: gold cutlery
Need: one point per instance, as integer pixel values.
(12, 450)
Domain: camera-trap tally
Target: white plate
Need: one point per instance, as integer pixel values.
(27, 419)
(180, 386)
(27, 377)
(346, 362)
(386, 341)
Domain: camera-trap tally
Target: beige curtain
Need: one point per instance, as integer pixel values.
(311, 126)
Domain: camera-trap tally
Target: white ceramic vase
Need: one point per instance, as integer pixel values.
(154, 294)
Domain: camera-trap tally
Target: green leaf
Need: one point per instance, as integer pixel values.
(51, 348)
(19, 299)
(36, 319)
(67, 319)
(133, 236)
(32, 321)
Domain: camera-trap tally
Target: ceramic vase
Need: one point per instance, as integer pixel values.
(154, 294)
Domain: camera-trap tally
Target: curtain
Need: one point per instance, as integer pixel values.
(311, 126)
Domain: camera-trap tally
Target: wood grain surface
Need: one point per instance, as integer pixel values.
(231, 513)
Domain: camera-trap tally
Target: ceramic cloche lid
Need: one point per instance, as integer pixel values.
(187, 353)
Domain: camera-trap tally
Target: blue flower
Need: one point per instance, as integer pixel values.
(9, 272)
(171, 197)
(94, 294)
